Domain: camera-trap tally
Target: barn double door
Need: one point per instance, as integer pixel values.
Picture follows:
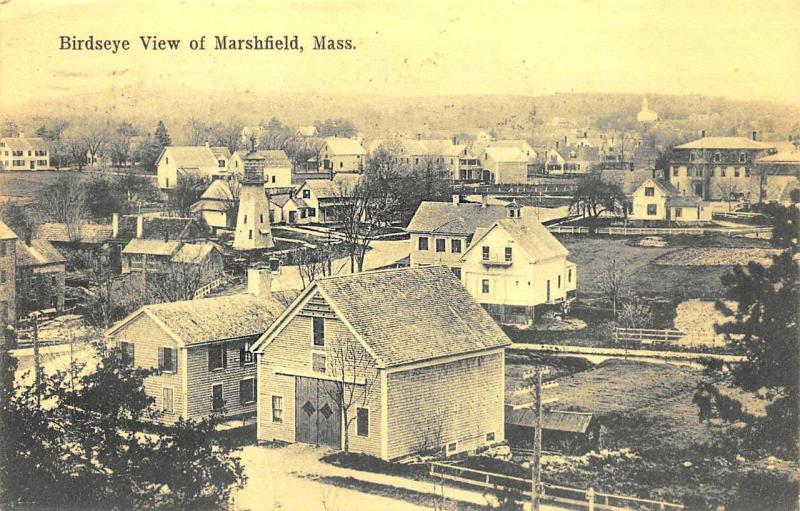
(317, 417)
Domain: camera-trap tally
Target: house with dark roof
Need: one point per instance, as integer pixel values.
(203, 162)
(40, 276)
(568, 432)
(516, 269)
(393, 362)
(442, 231)
(200, 349)
(504, 165)
(656, 199)
(24, 153)
(318, 200)
(201, 262)
(716, 168)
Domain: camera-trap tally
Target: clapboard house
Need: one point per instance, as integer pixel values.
(200, 349)
(430, 371)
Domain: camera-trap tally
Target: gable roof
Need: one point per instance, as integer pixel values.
(449, 218)
(25, 143)
(194, 253)
(506, 154)
(220, 152)
(405, 315)
(218, 190)
(331, 188)
(40, 252)
(6, 233)
(338, 145)
(272, 157)
(210, 319)
(533, 237)
(724, 143)
(191, 157)
(782, 158)
(667, 188)
(554, 420)
(87, 233)
(151, 247)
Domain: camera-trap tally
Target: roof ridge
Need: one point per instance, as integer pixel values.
(385, 270)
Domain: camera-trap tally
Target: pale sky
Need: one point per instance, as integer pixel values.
(738, 49)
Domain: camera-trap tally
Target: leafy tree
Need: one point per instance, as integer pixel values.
(765, 328)
(593, 196)
(786, 226)
(120, 143)
(187, 191)
(337, 127)
(161, 136)
(18, 218)
(148, 152)
(102, 199)
(87, 445)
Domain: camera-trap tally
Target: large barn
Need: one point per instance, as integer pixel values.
(404, 359)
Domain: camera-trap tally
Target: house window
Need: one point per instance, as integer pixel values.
(245, 219)
(456, 272)
(166, 360)
(217, 357)
(746, 172)
(166, 160)
(711, 172)
(742, 157)
(2, 248)
(312, 212)
(319, 332)
(440, 245)
(247, 391)
(273, 179)
(559, 282)
(362, 421)
(245, 355)
(250, 234)
(485, 286)
(692, 156)
(167, 182)
(490, 436)
(3, 276)
(221, 163)
(717, 157)
(722, 172)
(277, 409)
(569, 275)
(451, 448)
(508, 254)
(678, 212)
(341, 164)
(486, 253)
(652, 209)
(455, 246)
(127, 352)
(261, 218)
(306, 194)
(422, 244)
(217, 403)
(167, 399)
(318, 362)
(649, 191)
(736, 173)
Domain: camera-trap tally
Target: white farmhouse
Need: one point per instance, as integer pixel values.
(516, 269)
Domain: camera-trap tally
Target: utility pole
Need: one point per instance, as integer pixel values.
(536, 463)
(37, 362)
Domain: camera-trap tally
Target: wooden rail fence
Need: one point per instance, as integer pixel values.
(588, 498)
(761, 232)
(653, 336)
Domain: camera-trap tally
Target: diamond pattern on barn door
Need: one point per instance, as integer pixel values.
(309, 408)
(326, 411)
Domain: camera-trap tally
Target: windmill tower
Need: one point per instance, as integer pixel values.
(252, 222)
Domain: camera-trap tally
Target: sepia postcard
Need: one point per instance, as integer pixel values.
(351, 255)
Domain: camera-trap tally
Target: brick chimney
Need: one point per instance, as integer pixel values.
(259, 283)
(115, 225)
(139, 226)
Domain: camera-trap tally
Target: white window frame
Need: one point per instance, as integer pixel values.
(324, 354)
(164, 401)
(448, 451)
(250, 378)
(174, 359)
(272, 408)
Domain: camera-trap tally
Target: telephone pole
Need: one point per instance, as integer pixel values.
(536, 463)
(37, 361)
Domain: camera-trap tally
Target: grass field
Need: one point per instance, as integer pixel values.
(646, 277)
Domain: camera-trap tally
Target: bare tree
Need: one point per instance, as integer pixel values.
(232, 190)
(363, 209)
(120, 144)
(187, 191)
(175, 281)
(197, 131)
(636, 314)
(64, 201)
(354, 375)
(228, 135)
(613, 283)
(75, 146)
(95, 137)
(727, 190)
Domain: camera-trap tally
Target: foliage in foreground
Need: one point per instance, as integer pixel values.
(86, 446)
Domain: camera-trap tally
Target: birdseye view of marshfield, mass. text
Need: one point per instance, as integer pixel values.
(444, 256)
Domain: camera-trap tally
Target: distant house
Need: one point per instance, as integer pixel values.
(306, 131)
(40, 276)
(442, 231)
(656, 199)
(216, 205)
(24, 153)
(286, 208)
(523, 145)
(716, 168)
(200, 349)
(204, 162)
(277, 169)
(504, 165)
(432, 371)
(8, 273)
(776, 176)
(515, 268)
(322, 198)
(341, 155)
(158, 256)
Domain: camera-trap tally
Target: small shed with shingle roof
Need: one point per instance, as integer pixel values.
(569, 432)
(430, 365)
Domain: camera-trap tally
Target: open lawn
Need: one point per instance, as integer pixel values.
(647, 277)
(25, 186)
